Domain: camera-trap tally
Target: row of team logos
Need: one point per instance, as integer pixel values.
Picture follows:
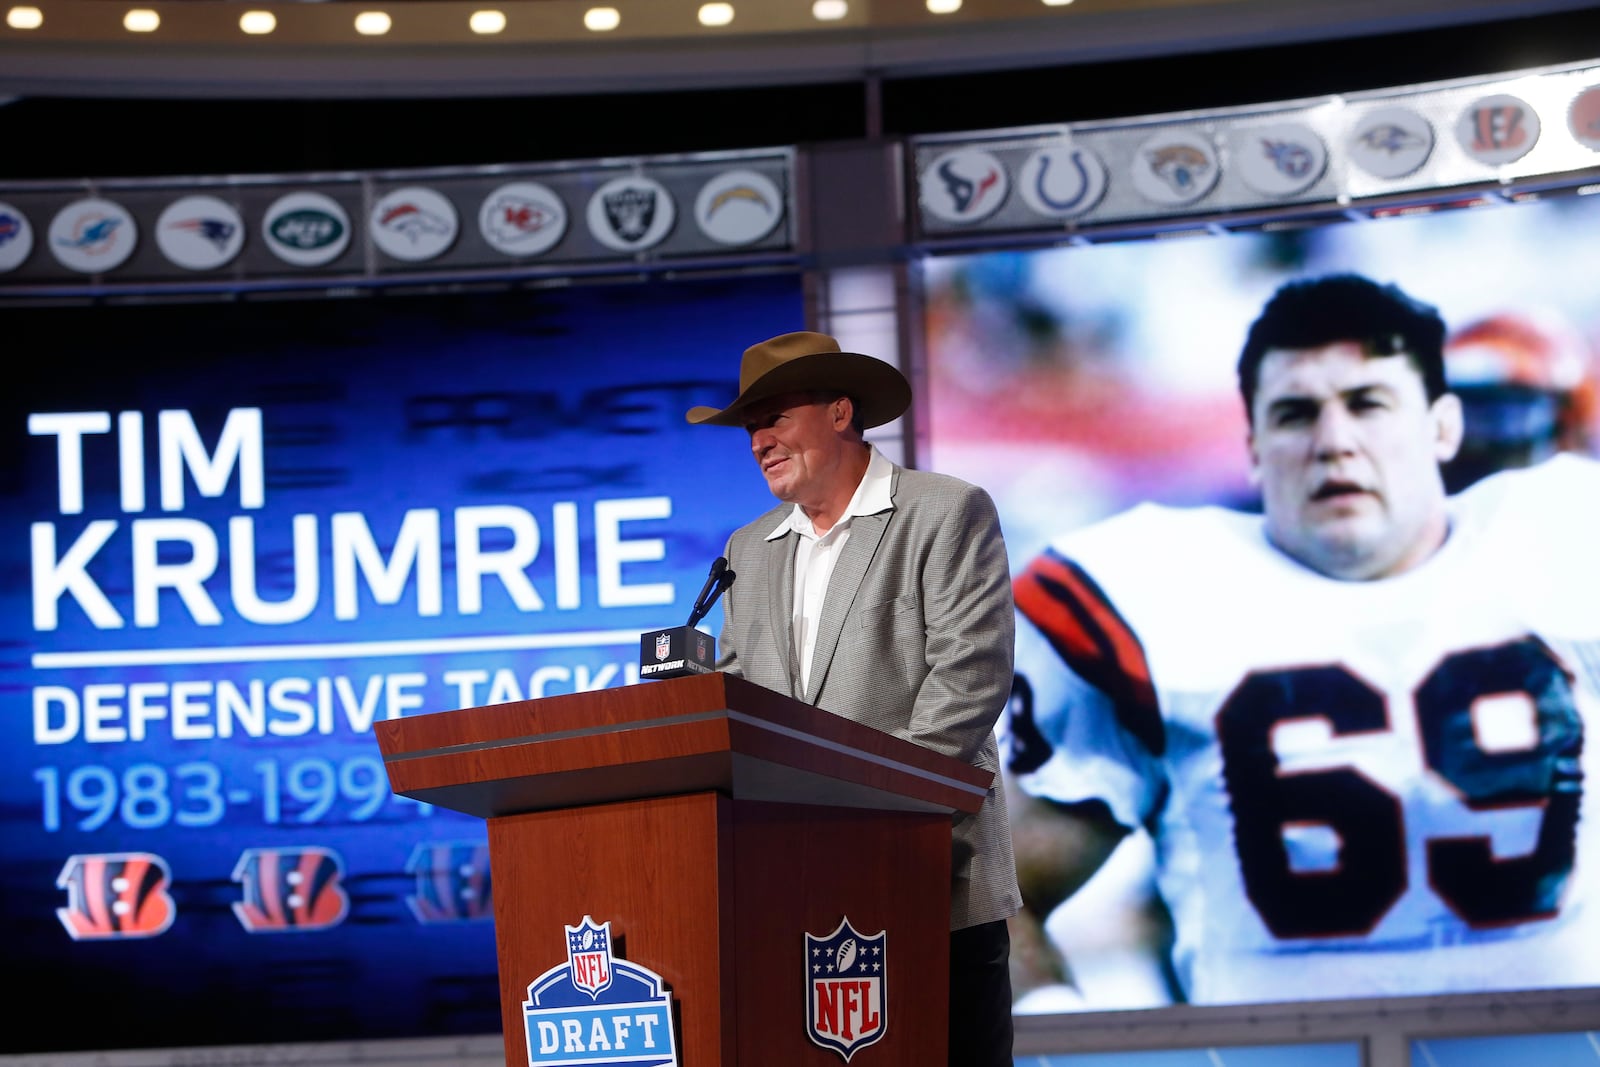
(1177, 167)
(412, 224)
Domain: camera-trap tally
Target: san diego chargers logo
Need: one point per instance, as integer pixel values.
(115, 895)
(290, 889)
(452, 879)
(847, 998)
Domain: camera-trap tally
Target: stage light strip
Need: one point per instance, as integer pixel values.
(167, 657)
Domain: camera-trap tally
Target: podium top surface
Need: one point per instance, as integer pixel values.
(659, 738)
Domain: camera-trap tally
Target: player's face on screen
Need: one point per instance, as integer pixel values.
(795, 438)
(1346, 449)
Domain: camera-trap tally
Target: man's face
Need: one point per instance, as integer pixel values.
(1346, 449)
(797, 440)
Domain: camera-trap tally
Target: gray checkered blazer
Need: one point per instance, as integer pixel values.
(915, 639)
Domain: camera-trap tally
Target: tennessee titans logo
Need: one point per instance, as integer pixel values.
(452, 882)
(1290, 158)
(290, 889)
(116, 896)
(847, 999)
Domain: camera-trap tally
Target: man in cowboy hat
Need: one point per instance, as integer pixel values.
(881, 594)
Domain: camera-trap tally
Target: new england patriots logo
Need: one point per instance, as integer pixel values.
(116, 896)
(218, 231)
(290, 889)
(452, 882)
(847, 989)
(10, 228)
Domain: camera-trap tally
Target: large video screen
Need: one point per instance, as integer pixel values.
(237, 534)
(1234, 779)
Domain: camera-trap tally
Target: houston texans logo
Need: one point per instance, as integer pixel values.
(964, 191)
(290, 889)
(115, 895)
(452, 880)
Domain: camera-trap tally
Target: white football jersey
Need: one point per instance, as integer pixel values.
(1338, 774)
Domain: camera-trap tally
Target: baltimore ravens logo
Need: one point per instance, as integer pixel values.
(1390, 139)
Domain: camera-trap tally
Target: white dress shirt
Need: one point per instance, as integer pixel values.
(815, 556)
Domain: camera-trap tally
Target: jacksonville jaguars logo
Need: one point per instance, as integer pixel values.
(1175, 168)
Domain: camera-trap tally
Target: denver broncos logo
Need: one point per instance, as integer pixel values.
(453, 882)
(290, 889)
(1181, 166)
(115, 895)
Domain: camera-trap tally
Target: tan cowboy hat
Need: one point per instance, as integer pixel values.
(803, 361)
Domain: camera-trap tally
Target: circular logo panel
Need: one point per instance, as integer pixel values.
(738, 207)
(1175, 168)
(93, 235)
(1062, 182)
(1278, 160)
(307, 229)
(16, 237)
(1390, 142)
(522, 219)
(200, 232)
(1583, 117)
(1497, 129)
(631, 213)
(414, 224)
(966, 185)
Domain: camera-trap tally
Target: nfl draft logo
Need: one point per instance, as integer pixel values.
(597, 1009)
(847, 996)
(663, 645)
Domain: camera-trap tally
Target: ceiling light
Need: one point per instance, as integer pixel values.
(487, 21)
(256, 22)
(601, 19)
(1056, 3)
(829, 10)
(24, 18)
(141, 20)
(717, 14)
(373, 23)
(944, 7)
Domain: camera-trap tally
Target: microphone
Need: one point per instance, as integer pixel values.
(683, 650)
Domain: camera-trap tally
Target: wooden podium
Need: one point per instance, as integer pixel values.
(714, 824)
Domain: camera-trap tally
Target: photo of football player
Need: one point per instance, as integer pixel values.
(1350, 726)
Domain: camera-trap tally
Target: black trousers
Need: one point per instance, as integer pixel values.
(980, 996)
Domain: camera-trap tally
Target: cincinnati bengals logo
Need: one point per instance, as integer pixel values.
(1499, 128)
(116, 895)
(289, 889)
(453, 882)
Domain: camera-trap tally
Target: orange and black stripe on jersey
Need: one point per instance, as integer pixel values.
(1058, 597)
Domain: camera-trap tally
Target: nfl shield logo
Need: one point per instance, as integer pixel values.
(847, 994)
(700, 648)
(663, 646)
(589, 955)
